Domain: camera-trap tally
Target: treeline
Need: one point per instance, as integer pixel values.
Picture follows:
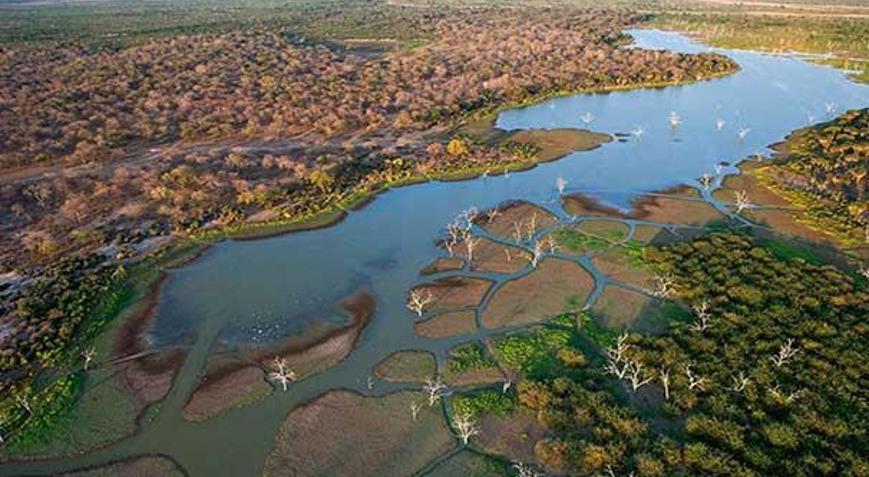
(81, 105)
(772, 384)
(824, 169)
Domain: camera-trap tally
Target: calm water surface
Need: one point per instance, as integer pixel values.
(258, 291)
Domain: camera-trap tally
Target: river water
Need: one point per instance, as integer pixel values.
(257, 291)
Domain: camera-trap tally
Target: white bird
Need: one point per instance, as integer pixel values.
(587, 118)
(719, 124)
(674, 119)
(742, 133)
(638, 131)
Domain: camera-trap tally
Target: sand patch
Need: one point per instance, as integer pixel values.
(447, 324)
(407, 366)
(510, 436)
(455, 293)
(496, 258)
(529, 218)
(147, 466)
(618, 308)
(343, 433)
(540, 295)
(618, 265)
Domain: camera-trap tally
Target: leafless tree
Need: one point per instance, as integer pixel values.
(719, 124)
(706, 180)
(674, 118)
(454, 230)
(786, 397)
(492, 214)
(739, 382)
(434, 388)
(743, 131)
(524, 470)
(507, 253)
(719, 169)
(466, 427)
(663, 286)
(864, 270)
(638, 132)
(785, 353)
(830, 107)
(537, 253)
(550, 244)
(282, 373)
(517, 232)
(24, 403)
(88, 357)
(560, 184)
(702, 321)
(471, 243)
(369, 383)
(694, 381)
(617, 363)
(506, 386)
(419, 299)
(742, 201)
(610, 472)
(587, 118)
(532, 225)
(415, 407)
(637, 375)
(664, 377)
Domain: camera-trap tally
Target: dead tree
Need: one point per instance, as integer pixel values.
(702, 321)
(694, 381)
(282, 373)
(471, 243)
(864, 270)
(637, 375)
(617, 363)
(532, 226)
(434, 388)
(517, 232)
(24, 403)
(663, 286)
(524, 470)
(742, 201)
(550, 244)
(609, 472)
(537, 254)
(415, 407)
(492, 214)
(664, 377)
(739, 382)
(719, 124)
(88, 357)
(506, 386)
(418, 300)
(706, 180)
(560, 184)
(786, 397)
(743, 131)
(466, 427)
(507, 253)
(785, 353)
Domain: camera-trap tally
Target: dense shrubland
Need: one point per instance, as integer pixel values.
(824, 170)
(775, 384)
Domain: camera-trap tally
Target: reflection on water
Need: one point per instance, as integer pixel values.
(256, 290)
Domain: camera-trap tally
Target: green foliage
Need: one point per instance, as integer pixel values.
(805, 417)
(535, 353)
(468, 358)
(489, 400)
(578, 242)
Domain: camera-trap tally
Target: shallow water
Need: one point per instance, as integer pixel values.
(258, 291)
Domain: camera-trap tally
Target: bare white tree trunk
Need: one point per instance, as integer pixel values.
(466, 427)
(419, 299)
